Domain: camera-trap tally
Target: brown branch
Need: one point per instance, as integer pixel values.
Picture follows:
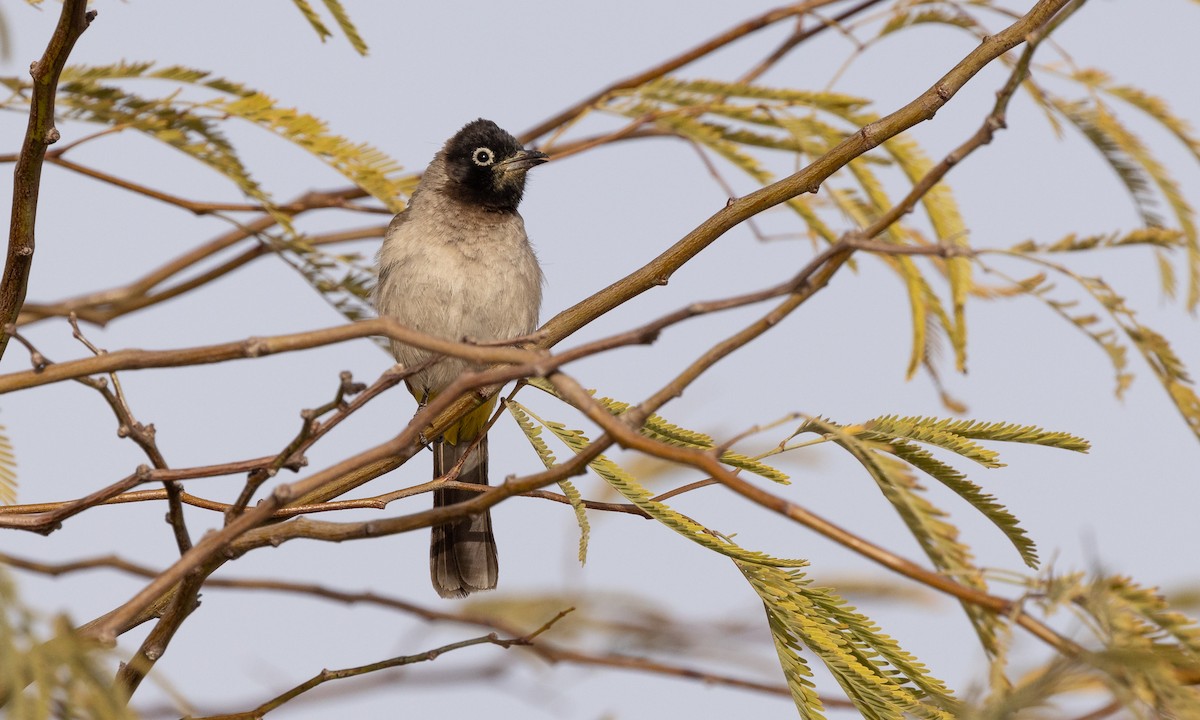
(216, 547)
(258, 347)
(47, 517)
(311, 430)
(200, 207)
(376, 502)
(196, 207)
(102, 308)
(131, 674)
(27, 175)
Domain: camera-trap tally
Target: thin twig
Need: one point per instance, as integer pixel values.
(800, 35)
(143, 435)
(200, 207)
(329, 675)
(734, 33)
(292, 456)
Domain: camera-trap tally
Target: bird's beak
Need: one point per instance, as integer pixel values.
(524, 159)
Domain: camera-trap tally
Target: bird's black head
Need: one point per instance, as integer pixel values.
(486, 166)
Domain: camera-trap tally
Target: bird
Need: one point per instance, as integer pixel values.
(457, 263)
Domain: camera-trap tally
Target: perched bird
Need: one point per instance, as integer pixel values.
(457, 263)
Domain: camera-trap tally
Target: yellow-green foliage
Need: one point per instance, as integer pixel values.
(534, 434)
(191, 117)
(880, 678)
(339, 16)
(51, 672)
(730, 119)
(8, 470)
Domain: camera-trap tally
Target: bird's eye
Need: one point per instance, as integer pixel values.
(483, 156)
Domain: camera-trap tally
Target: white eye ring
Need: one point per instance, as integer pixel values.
(483, 156)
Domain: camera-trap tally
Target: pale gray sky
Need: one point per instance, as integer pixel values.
(1128, 506)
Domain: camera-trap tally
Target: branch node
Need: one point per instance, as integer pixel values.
(256, 347)
(52, 136)
(867, 133)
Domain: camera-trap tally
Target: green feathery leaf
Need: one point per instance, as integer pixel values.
(984, 502)
(658, 428)
(313, 19)
(637, 494)
(1159, 237)
(339, 15)
(930, 430)
(880, 678)
(48, 670)
(8, 470)
(927, 430)
(1154, 348)
(348, 29)
(361, 163)
(906, 16)
(1158, 110)
(533, 433)
(1134, 177)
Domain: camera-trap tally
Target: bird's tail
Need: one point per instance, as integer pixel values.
(462, 553)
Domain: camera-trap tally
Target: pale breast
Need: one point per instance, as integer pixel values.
(458, 273)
